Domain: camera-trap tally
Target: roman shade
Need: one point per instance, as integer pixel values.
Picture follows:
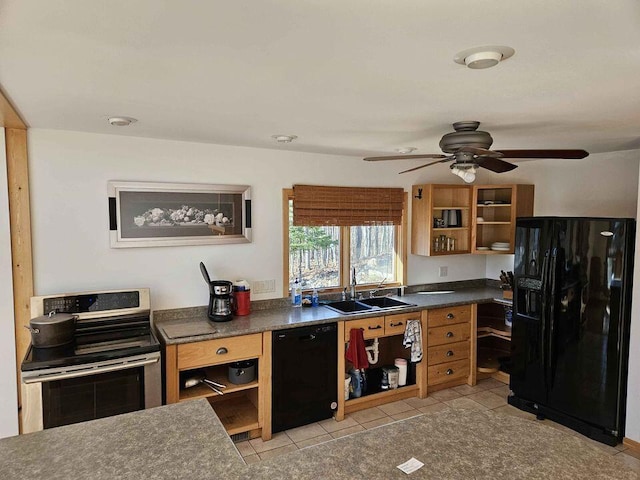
(315, 205)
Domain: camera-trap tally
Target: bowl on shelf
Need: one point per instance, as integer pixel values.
(482, 248)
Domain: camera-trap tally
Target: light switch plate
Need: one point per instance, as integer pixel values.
(443, 272)
(264, 286)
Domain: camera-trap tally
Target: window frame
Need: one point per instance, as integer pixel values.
(401, 237)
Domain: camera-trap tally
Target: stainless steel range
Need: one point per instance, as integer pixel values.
(112, 366)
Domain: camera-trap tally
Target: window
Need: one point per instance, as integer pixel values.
(323, 256)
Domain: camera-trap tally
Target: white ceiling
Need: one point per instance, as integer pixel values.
(354, 77)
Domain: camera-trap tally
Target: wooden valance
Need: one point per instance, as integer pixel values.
(315, 205)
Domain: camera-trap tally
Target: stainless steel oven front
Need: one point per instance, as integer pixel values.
(112, 367)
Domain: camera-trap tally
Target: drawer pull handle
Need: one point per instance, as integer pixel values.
(449, 371)
(449, 334)
(395, 324)
(377, 327)
(222, 351)
(450, 353)
(450, 316)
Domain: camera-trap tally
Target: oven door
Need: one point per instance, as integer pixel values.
(62, 396)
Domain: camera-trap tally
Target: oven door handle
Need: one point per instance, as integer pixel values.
(122, 365)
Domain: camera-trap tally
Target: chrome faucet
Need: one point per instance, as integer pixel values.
(372, 293)
(353, 283)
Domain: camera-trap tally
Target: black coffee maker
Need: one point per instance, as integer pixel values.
(220, 297)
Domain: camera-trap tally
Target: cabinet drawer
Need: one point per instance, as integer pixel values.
(373, 327)
(448, 334)
(447, 353)
(446, 372)
(222, 350)
(396, 324)
(448, 316)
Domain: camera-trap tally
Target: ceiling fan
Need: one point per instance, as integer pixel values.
(468, 148)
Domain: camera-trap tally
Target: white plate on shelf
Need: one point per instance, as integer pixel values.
(501, 249)
(482, 248)
(501, 244)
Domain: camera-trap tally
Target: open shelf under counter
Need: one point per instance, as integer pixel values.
(219, 374)
(237, 413)
(379, 398)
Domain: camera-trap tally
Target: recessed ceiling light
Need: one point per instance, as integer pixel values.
(122, 121)
(483, 57)
(404, 150)
(284, 138)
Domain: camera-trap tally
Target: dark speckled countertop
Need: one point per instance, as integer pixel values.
(192, 324)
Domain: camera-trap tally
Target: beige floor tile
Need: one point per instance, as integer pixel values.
(395, 408)
(408, 414)
(331, 425)
(367, 415)
(278, 440)
(465, 403)
(378, 422)
(421, 402)
(314, 441)
(448, 394)
(622, 448)
(305, 432)
(516, 412)
(489, 383)
(488, 399)
(436, 407)
(278, 451)
(251, 458)
(631, 462)
(245, 448)
(347, 431)
(468, 389)
(502, 390)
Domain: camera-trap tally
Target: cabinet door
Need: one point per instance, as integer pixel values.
(397, 324)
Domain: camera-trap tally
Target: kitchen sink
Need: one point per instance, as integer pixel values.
(384, 302)
(350, 307)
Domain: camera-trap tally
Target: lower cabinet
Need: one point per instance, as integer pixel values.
(196, 370)
(450, 337)
(388, 331)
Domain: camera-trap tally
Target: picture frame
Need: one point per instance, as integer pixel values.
(150, 214)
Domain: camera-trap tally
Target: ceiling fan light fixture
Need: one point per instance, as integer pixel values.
(483, 57)
(467, 174)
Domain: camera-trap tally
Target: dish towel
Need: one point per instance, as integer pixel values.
(356, 353)
(413, 339)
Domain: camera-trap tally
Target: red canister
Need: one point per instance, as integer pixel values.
(242, 298)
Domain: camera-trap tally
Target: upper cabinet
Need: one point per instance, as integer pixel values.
(494, 213)
(456, 219)
(441, 219)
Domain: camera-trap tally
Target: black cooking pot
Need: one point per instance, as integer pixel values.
(52, 330)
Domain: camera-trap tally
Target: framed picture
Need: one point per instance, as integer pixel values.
(168, 214)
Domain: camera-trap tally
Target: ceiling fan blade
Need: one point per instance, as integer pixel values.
(405, 157)
(544, 153)
(481, 151)
(426, 165)
(495, 164)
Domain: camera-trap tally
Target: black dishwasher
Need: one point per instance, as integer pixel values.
(304, 375)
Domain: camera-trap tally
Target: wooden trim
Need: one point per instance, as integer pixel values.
(287, 194)
(473, 353)
(20, 224)
(264, 379)
(380, 398)
(402, 242)
(339, 415)
(632, 445)
(172, 389)
(9, 117)
(421, 367)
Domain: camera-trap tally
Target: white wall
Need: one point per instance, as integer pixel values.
(8, 393)
(69, 172)
(632, 429)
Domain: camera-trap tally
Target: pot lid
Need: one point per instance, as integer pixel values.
(52, 318)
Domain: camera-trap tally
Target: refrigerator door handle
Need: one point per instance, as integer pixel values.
(543, 306)
(551, 324)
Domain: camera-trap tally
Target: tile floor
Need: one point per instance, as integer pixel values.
(486, 395)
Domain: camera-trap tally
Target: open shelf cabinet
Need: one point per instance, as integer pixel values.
(493, 342)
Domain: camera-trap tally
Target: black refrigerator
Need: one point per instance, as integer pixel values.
(571, 319)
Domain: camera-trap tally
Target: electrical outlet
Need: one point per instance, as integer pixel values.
(443, 272)
(264, 286)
